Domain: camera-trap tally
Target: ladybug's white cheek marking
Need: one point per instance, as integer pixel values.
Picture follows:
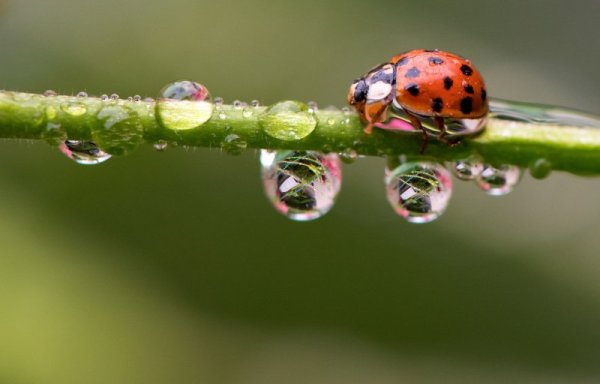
(379, 91)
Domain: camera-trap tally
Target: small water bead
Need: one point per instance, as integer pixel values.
(130, 98)
(137, 98)
(288, 121)
(114, 97)
(219, 102)
(184, 105)
(50, 92)
(74, 108)
(540, 168)
(419, 191)
(498, 181)
(104, 97)
(234, 144)
(313, 107)
(121, 130)
(255, 103)
(302, 185)
(467, 169)
(148, 100)
(160, 145)
(82, 95)
(83, 152)
(348, 156)
(237, 104)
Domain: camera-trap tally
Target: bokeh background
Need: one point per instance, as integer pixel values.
(173, 267)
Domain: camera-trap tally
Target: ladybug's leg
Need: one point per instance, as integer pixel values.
(375, 113)
(416, 123)
(442, 136)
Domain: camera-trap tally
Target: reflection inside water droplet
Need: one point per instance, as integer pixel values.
(498, 181)
(184, 105)
(467, 169)
(83, 152)
(302, 185)
(419, 191)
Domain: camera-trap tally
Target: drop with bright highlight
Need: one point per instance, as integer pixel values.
(83, 152)
(302, 185)
(184, 105)
(288, 121)
(498, 181)
(419, 191)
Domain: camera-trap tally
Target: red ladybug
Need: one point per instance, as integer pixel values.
(422, 83)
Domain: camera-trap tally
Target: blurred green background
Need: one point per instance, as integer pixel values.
(173, 267)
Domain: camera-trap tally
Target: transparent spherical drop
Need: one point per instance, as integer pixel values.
(540, 168)
(467, 169)
(288, 121)
(498, 181)
(302, 185)
(83, 152)
(419, 191)
(184, 105)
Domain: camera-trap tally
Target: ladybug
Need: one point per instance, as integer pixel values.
(423, 84)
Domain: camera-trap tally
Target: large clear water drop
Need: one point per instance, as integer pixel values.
(288, 121)
(184, 105)
(83, 152)
(302, 185)
(498, 181)
(419, 191)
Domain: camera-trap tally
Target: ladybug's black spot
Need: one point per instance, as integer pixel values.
(466, 105)
(360, 91)
(413, 89)
(412, 73)
(437, 104)
(435, 60)
(402, 61)
(448, 82)
(466, 70)
(483, 94)
(469, 89)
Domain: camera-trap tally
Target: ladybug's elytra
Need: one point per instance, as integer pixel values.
(423, 83)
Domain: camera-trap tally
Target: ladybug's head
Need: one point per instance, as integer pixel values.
(375, 87)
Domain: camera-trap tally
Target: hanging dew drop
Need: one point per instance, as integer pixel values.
(83, 152)
(302, 185)
(234, 144)
(467, 169)
(288, 121)
(160, 145)
(419, 191)
(348, 156)
(498, 181)
(184, 105)
(540, 168)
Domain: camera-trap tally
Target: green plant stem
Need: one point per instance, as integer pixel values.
(567, 148)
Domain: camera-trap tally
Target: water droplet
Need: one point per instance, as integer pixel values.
(82, 95)
(419, 191)
(160, 145)
(540, 168)
(137, 98)
(50, 92)
(302, 185)
(83, 152)
(121, 130)
(498, 181)
(222, 115)
(288, 120)
(218, 102)
(247, 113)
(184, 105)
(234, 145)
(130, 98)
(114, 96)
(237, 104)
(74, 108)
(313, 107)
(255, 103)
(348, 156)
(104, 97)
(467, 169)
(148, 100)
